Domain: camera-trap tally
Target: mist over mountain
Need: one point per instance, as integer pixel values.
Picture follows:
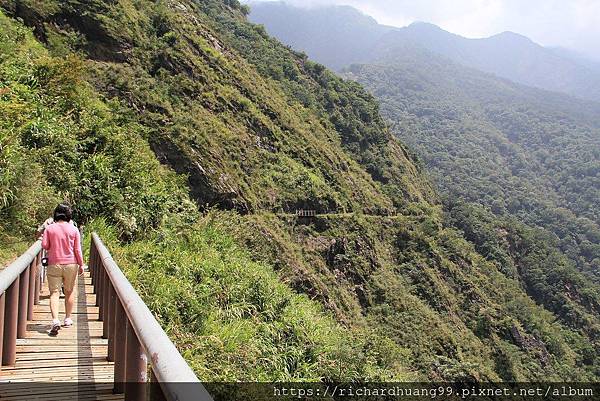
(580, 58)
(340, 36)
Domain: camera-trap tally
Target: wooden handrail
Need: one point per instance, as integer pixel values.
(135, 338)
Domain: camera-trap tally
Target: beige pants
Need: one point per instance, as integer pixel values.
(62, 275)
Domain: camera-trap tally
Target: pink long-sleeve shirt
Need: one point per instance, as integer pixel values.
(63, 244)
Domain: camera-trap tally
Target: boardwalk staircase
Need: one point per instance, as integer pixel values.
(116, 350)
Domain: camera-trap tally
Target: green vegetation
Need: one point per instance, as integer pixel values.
(421, 285)
(517, 151)
(532, 256)
(61, 140)
(234, 319)
(518, 170)
(140, 96)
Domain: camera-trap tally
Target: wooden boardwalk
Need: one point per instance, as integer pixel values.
(71, 365)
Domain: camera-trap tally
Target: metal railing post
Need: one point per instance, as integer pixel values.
(93, 266)
(136, 368)
(11, 315)
(109, 324)
(23, 300)
(105, 306)
(31, 288)
(38, 279)
(98, 263)
(120, 347)
(100, 291)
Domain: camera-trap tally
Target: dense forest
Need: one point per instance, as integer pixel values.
(186, 136)
(519, 152)
(528, 158)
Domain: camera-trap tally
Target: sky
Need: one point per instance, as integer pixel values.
(574, 24)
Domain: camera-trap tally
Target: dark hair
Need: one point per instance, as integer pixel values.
(63, 212)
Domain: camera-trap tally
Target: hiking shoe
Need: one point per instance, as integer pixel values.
(54, 330)
(68, 322)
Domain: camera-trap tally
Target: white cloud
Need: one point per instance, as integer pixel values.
(569, 23)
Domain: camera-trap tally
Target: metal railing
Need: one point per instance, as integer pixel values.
(136, 343)
(20, 284)
(135, 339)
(306, 213)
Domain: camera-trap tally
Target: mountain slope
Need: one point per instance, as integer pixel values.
(523, 152)
(105, 166)
(517, 151)
(339, 36)
(379, 286)
(527, 155)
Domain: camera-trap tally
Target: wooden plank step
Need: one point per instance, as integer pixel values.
(45, 316)
(27, 351)
(53, 373)
(45, 305)
(66, 333)
(76, 355)
(74, 361)
(79, 322)
(49, 368)
(16, 389)
(36, 356)
(70, 354)
(58, 340)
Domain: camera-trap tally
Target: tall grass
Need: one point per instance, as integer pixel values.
(233, 319)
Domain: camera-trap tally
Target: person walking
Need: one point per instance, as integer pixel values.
(62, 243)
(40, 233)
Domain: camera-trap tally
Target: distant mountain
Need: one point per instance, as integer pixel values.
(336, 36)
(507, 55)
(340, 36)
(579, 58)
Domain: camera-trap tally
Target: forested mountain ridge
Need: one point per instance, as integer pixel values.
(518, 151)
(528, 155)
(506, 55)
(339, 36)
(383, 289)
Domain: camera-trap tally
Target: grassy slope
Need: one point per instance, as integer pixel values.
(242, 141)
(260, 129)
